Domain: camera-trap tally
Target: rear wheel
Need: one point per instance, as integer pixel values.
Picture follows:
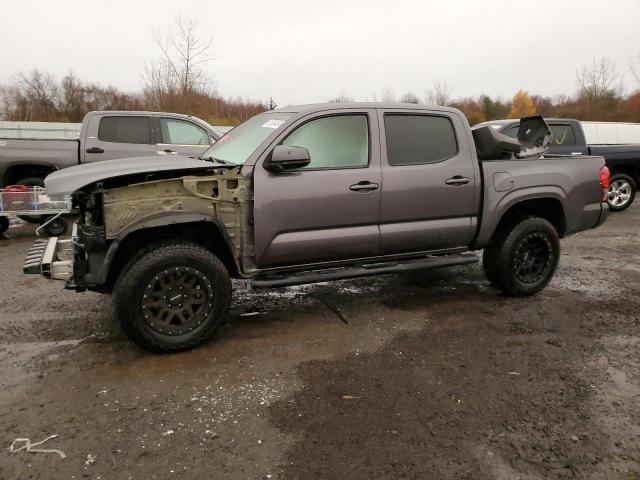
(31, 182)
(622, 191)
(173, 297)
(522, 257)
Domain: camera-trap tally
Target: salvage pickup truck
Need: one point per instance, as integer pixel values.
(104, 136)
(623, 160)
(316, 193)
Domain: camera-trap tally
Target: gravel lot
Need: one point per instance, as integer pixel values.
(431, 375)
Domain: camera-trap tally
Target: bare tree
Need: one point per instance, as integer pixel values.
(31, 96)
(439, 94)
(409, 97)
(341, 98)
(634, 66)
(597, 90)
(597, 79)
(179, 74)
(387, 95)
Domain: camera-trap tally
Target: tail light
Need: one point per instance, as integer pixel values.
(604, 183)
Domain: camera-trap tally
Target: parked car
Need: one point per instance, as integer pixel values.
(623, 160)
(104, 136)
(317, 193)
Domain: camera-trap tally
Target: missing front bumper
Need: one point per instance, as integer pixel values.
(52, 258)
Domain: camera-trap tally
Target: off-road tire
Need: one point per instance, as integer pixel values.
(31, 182)
(129, 290)
(504, 254)
(622, 177)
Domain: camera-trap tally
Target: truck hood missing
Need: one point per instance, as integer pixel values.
(74, 178)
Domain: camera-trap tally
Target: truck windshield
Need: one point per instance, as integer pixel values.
(237, 145)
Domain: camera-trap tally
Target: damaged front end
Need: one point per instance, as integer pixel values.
(51, 258)
(119, 217)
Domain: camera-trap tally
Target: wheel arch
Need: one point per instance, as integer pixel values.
(200, 229)
(627, 169)
(15, 172)
(549, 206)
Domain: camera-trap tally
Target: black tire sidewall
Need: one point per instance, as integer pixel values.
(631, 181)
(4, 224)
(129, 290)
(520, 232)
(51, 229)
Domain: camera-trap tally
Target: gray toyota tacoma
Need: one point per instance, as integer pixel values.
(316, 193)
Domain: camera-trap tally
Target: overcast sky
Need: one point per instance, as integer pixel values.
(306, 51)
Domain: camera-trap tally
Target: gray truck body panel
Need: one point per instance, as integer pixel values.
(75, 178)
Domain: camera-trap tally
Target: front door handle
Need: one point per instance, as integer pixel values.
(94, 150)
(457, 180)
(166, 151)
(364, 186)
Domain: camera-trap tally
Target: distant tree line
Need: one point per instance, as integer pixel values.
(39, 96)
(599, 96)
(176, 81)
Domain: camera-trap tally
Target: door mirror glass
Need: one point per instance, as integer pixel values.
(287, 157)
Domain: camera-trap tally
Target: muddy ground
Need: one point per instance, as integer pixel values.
(431, 375)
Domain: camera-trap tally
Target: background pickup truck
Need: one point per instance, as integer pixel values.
(622, 160)
(104, 136)
(317, 193)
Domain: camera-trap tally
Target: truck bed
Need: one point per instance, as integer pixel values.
(56, 153)
(572, 181)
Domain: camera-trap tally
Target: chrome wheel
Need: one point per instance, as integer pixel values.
(619, 193)
(177, 300)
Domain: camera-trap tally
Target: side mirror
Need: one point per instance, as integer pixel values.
(287, 157)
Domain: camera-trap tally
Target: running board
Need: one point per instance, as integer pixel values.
(316, 276)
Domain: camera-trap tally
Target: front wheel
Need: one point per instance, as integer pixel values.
(523, 256)
(622, 191)
(173, 297)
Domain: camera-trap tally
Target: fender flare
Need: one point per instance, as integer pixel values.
(159, 219)
(490, 224)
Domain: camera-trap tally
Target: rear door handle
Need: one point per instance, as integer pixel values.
(94, 150)
(364, 186)
(457, 180)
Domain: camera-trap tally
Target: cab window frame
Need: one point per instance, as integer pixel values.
(419, 114)
(151, 138)
(295, 127)
(161, 132)
(573, 133)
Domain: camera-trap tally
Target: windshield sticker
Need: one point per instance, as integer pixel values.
(273, 124)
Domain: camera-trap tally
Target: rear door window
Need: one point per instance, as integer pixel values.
(563, 135)
(419, 139)
(181, 132)
(130, 129)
